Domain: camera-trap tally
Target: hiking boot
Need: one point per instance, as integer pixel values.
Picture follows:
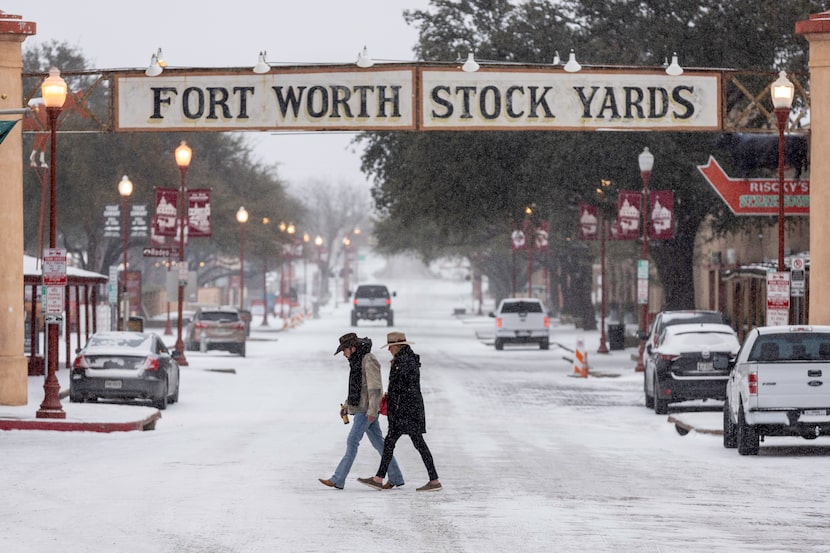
(430, 487)
(371, 483)
(389, 485)
(329, 483)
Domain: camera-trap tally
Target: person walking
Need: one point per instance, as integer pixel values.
(405, 411)
(363, 401)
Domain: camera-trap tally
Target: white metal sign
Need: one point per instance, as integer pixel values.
(778, 298)
(54, 267)
(54, 300)
(385, 98)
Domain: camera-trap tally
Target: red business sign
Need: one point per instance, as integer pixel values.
(756, 196)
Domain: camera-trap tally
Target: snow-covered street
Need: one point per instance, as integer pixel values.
(531, 458)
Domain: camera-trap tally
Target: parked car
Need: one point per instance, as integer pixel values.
(219, 328)
(521, 320)
(669, 318)
(777, 387)
(691, 361)
(372, 302)
(125, 366)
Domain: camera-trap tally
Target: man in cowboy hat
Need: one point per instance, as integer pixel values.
(363, 401)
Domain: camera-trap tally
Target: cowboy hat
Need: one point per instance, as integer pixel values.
(346, 341)
(396, 339)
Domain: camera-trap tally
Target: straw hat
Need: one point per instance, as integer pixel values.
(396, 339)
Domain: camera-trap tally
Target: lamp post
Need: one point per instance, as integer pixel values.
(346, 243)
(782, 100)
(318, 246)
(603, 340)
(646, 162)
(306, 240)
(242, 218)
(183, 156)
(530, 244)
(53, 91)
(125, 188)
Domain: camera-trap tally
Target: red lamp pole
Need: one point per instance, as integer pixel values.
(54, 94)
(242, 218)
(782, 92)
(125, 188)
(603, 340)
(183, 156)
(646, 161)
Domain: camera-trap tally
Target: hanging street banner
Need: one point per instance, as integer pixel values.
(661, 220)
(198, 213)
(756, 196)
(164, 220)
(588, 221)
(405, 97)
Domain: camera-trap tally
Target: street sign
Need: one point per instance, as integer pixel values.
(161, 252)
(54, 267)
(756, 196)
(54, 300)
(778, 298)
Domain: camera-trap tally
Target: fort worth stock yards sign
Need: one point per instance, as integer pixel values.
(409, 98)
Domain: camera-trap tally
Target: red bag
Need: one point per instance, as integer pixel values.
(383, 405)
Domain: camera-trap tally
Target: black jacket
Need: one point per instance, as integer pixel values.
(405, 402)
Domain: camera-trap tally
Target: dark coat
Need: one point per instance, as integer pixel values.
(405, 402)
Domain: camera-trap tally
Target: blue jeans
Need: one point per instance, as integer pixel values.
(360, 426)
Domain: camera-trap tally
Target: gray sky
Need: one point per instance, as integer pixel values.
(197, 34)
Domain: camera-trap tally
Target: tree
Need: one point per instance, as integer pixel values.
(441, 193)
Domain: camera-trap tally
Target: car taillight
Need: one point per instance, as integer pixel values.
(239, 326)
(355, 301)
(752, 380)
(498, 322)
(388, 301)
(547, 322)
(199, 325)
(80, 363)
(669, 358)
(150, 364)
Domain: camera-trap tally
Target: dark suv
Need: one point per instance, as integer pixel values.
(372, 302)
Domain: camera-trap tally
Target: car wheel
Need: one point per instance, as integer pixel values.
(730, 432)
(748, 439)
(161, 402)
(648, 399)
(241, 350)
(499, 344)
(76, 399)
(661, 406)
(354, 318)
(544, 344)
(390, 320)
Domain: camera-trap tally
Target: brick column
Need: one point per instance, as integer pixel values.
(13, 368)
(817, 31)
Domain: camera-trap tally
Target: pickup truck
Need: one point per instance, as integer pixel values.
(779, 386)
(521, 320)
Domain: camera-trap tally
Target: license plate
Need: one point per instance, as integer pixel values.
(814, 412)
(705, 366)
(112, 384)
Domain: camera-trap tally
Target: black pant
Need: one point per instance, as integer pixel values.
(419, 443)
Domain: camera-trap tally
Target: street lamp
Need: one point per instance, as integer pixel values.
(646, 161)
(346, 243)
(242, 218)
(183, 156)
(603, 340)
(306, 240)
(125, 188)
(53, 91)
(782, 100)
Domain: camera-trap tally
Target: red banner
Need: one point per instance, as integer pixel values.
(164, 221)
(542, 236)
(628, 215)
(588, 219)
(198, 213)
(661, 218)
(517, 239)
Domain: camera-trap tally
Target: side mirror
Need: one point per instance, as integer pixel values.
(394, 294)
(642, 334)
(648, 349)
(176, 354)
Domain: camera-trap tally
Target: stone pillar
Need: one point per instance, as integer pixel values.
(13, 366)
(817, 31)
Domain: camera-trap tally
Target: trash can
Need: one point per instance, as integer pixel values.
(616, 336)
(135, 324)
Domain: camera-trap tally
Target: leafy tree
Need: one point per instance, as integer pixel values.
(449, 193)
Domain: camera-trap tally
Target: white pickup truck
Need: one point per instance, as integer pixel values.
(522, 320)
(779, 386)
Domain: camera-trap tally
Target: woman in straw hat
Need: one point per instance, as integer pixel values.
(405, 411)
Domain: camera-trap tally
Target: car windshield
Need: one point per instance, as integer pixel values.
(372, 292)
(791, 347)
(521, 307)
(130, 341)
(219, 316)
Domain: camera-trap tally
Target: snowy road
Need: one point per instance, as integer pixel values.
(531, 459)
